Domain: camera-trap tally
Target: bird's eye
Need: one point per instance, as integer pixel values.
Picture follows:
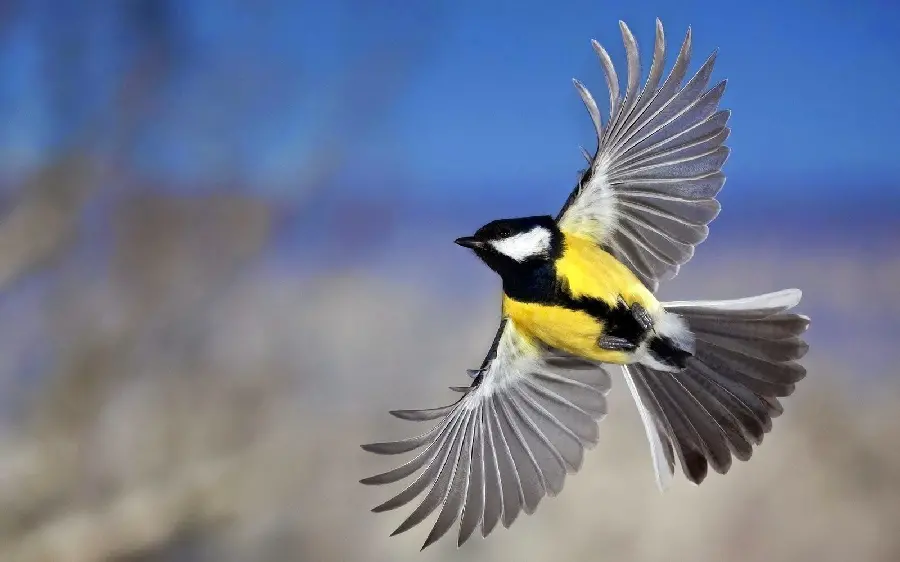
(503, 231)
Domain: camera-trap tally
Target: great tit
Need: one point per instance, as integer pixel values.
(579, 300)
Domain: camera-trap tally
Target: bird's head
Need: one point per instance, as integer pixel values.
(513, 245)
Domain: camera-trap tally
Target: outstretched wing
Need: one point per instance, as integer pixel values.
(505, 444)
(649, 191)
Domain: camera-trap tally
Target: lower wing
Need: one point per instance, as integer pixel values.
(510, 440)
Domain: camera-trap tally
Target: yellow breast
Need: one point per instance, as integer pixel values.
(590, 271)
(572, 331)
(587, 271)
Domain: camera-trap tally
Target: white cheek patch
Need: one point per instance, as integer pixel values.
(525, 245)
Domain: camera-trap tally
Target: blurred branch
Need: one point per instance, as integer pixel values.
(193, 459)
(172, 260)
(139, 519)
(42, 224)
(371, 83)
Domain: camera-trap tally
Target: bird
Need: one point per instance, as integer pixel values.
(579, 308)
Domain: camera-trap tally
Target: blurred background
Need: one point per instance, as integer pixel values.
(226, 251)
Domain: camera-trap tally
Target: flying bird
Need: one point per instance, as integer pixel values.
(579, 308)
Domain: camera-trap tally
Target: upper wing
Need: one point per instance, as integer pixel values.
(649, 191)
(509, 441)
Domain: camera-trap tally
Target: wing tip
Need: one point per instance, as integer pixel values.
(426, 414)
(382, 448)
(601, 52)
(369, 481)
(664, 481)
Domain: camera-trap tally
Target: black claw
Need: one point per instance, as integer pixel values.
(642, 316)
(612, 343)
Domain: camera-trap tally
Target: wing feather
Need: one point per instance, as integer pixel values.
(493, 485)
(509, 441)
(666, 140)
(656, 70)
(455, 495)
(473, 504)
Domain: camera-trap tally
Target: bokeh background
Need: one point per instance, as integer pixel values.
(225, 252)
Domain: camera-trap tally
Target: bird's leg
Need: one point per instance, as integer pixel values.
(613, 343)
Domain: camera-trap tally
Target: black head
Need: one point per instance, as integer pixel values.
(512, 245)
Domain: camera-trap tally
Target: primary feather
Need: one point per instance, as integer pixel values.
(649, 191)
(507, 443)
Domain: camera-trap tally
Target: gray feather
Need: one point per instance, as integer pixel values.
(573, 418)
(699, 110)
(423, 415)
(668, 209)
(649, 91)
(549, 461)
(493, 487)
(504, 445)
(704, 147)
(440, 486)
(722, 403)
(567, 445)
(612, 80)
(532, 485)
(510, 485)
(668, 141)
(670, 86)
(403, 446)
(591, 107)
(473, 505)
(634, 76)
(704, 135)
(432, 461)
(452, 502)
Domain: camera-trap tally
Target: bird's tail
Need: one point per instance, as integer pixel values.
(722, 402)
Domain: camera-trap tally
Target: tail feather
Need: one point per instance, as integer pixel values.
(723, 401)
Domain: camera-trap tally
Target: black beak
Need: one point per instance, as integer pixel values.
(469, 242)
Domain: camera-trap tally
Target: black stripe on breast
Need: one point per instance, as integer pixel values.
(618, 320)
(542, 286)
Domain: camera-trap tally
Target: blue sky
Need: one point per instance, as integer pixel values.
(810, 86)
(481, 93)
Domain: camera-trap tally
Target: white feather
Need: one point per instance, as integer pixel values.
(525, 245)
(673, 326)
(661, 466)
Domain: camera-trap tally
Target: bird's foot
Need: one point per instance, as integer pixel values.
(612, 343)
(642, 316)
